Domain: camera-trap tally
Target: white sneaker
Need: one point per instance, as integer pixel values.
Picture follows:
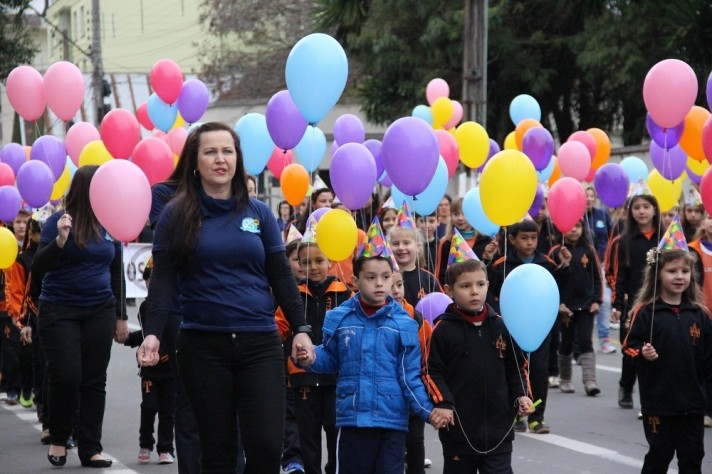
(708, 421)
(554, 382)
(165, 458)
(615, 326)
(607, 348)
(427, 463)
(144, 456)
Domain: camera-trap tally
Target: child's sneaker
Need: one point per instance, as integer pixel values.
(554, 381)
(520, 426)
(294, 468)
(144, 456)
(708, 422)
(165, 458)
(26, 402)
(539, 427)
(606, 347)
(427, 463)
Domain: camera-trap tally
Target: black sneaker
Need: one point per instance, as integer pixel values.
(625, 398)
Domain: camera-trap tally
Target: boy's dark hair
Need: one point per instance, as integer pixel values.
(524, 226)
(291, 247)
(360, 260)
(468, 266)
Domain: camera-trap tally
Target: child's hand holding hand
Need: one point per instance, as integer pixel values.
(441, 417)
(565, 257)
(565, 309)
(649, 352)
(595, 308)
(526, 406)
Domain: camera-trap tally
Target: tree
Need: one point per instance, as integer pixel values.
(15, 36)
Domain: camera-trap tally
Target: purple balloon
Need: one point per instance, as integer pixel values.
(695, 178)
(611, 183)
(709, 92)
(538, 145)
(670, 163)
(285, 123)
(385, 180)
(665, 137)
(410, 154)
(193, 100)
(13, 155)
(51, 151)
(538, 201)
(493, 150)
(374, 146)
(353, 175)
(349, 129)
(10, 203)
(433, 305)
(35, 182)
(318, 214)
(334, 147)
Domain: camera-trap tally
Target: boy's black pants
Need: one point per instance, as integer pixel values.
(158, 397)
(315, 408)
(539, 378)
(668, 435)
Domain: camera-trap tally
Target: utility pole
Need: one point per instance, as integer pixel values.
(97, 77)
(474, 63)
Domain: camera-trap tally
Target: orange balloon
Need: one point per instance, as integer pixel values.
(691, 139)
(28, 150)
(522, 128)
(295, 183)
(603, 147)
(556, 174)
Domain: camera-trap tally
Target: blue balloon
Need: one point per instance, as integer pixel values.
(316, 74)
(399, 197)
(72, 168)
(635, 168)
(311, 149)
(256, 144)
(423, 112)
(544, 175)
(523, 107)
(427, 202)
(475, 215)
(161, 114)
(529, 301)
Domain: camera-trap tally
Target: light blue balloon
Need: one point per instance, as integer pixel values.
(635, 168)
(399, 197)
(529, 301)
(194, 125)
(161, 114)
(427, 202)
(311, 149)
(423, 112)
(475, 215)
(256, 144)
(544, 175)
(523, 107)
(316, 74)
(72, 168)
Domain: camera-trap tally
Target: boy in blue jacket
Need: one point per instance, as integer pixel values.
(372, 343)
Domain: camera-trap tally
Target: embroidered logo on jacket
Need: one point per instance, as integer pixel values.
(695, 333)
(250, 224)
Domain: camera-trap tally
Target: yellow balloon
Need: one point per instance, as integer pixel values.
(180, 121)
(94, 153)
(336, 235)
(61, 185)
(510, 142)
(665, 191)
(697, 167)
(474, 144)
(508, 187)
(442, 110)
(8, 248)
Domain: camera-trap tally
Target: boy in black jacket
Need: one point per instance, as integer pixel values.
(523, 238)
(470, 344)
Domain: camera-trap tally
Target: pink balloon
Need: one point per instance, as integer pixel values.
(669, 92)
(78, 136)
(120, 197)
(155, 158)
(279, 160)
(574, 160)
(176, 139)
(159, 134)
(587, 139)
(7, 175)
(456, 116)
(567, 203)
(706, 190)
(436, 88)
(143, 118)
(25, 92)
(120, 133)
(707, 138)
(449, 150)
(64, 89)
(166, 80)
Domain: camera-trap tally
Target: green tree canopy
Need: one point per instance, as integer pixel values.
(16, 45)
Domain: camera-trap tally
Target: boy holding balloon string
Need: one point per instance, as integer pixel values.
(523, 238)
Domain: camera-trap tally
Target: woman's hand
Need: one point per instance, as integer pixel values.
(122, 331)
(26, 335)
(147, 353)
(303, 350)
(595, 308)
(649, 352)
(64, 224)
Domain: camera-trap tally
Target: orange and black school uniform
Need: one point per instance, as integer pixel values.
(315, 394)
(417, 283)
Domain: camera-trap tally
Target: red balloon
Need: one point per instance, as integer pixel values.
(142, 116)
(279, 160)
(155, 158)
(587, 139)
(567, 203)
(706, 190)
(120, 133)
(449, 150)
(707, 138)
(7, 175)
(166, 80)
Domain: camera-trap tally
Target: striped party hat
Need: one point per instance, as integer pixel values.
(376, 244)
(674, 237)
(405, 218)
(292, 235)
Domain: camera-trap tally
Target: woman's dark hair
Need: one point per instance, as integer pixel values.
(185, 220)
(33, 227)
(631, 225)
(279, 209)
(85, 225)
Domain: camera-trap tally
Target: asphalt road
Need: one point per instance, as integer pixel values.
(589, 435)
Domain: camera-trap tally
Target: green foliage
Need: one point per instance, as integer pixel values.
(16, 45)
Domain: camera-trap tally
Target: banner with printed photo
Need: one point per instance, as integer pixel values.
(135, 258)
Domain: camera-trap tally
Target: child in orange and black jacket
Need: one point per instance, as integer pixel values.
(315, 394)
(523, 239)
